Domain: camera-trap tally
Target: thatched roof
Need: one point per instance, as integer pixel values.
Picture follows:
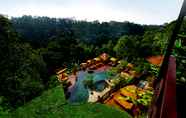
(61, 71)
(113, 59)
(104, 56)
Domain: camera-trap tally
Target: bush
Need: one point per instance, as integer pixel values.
(112, 72)
(123, 63)
(53, 81)
(154, 70)
(138, 69)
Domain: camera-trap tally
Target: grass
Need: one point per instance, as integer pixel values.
(93, 111)
(52, 104)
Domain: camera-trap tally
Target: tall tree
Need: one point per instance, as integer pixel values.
(22, 69)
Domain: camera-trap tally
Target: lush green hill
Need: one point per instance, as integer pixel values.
(46, 104)
(52, 104)
(39, 30)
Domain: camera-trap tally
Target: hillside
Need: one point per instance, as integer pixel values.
(53, 104)
(40, 30)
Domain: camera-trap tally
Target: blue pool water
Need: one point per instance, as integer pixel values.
(101, 86)
(79, 93)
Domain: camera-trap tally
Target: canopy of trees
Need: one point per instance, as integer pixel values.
(22, 69)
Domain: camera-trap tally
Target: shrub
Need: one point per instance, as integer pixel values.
(53, 81)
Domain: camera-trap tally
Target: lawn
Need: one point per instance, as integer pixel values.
(52, 104)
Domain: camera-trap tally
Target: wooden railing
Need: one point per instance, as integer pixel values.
(164, 102)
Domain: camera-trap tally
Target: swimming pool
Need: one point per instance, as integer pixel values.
(79, 93)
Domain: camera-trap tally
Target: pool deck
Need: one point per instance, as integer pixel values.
(102, 69)
(95, 96)
(72, 79)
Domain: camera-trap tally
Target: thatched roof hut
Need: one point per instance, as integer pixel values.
(104, 56)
